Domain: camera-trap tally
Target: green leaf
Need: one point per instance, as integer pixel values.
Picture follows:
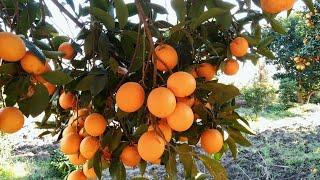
(211, 13)
(309, 4)
(265, 42)
(104, 17)
(122, 12)
(53, 54)
(222, 93)
(184, 151)
(27, 16)
(37, 103)
(142, 167)
(140, 130)
(214, 167)
(42, 45)
(44, 30)
(85, 83)
(171, 166)
(116, 139)
(179, 7)
(117, 171)
(233, 147)
(71, 4)
(238, 137)
(57, 77)
(97, 164)
(266, 52)
(35, 50)
(275, 24)
(9, 68)
(98, 85)
(113, 63)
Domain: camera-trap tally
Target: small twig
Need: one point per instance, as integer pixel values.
(66, 12)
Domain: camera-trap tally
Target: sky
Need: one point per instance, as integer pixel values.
(247, 70)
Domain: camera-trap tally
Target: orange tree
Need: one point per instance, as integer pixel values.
(124, 94)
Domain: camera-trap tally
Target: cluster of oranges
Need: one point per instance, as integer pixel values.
(80, 141)
(13, 49)
(309, 21)
(276, 6)
(301, 63)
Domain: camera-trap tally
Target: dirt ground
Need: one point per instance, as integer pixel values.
(284, 149)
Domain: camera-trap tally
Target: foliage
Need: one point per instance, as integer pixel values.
(259, 96)
(287, 91)
(108, 42)
(60, 164)
(297, 58)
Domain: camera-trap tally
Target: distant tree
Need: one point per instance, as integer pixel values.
(297, 54)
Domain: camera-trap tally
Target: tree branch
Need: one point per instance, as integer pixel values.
(66, 12)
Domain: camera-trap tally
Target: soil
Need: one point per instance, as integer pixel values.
(284, 149)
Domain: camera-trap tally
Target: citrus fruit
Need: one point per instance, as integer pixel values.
(161, 102)
(130, 97)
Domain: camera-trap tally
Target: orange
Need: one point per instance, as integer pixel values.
(70, 144)
(157, 161)
(11, 120)
(77, 159)
(239, 47)
(95, 124)
(211, 141)
(77, 175)
(68, 50)
(76, 121)
(89, 173)
(183, 139)
(231, 67)
(150, 146)
(68, 130)
(165, 129)
(161, 102)
(67, 100)
(182, 118)
(83, 133)
(130, 97)
(12, 47)
(89, 146)
(32, 64)
(130, 156)
(168, 55)
(276, 6)
(182, 84)
(50, 87)
(190, 100)
(207, 71)
(81, 112)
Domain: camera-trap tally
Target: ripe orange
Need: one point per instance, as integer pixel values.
(50, 87)
(157, 161)
(89, 173)
(67, 100)
(130, 97)
(70, 144)
(207, 71)
(231, 67)
(130, 156)
(11, 120)
(77, 159)
(211, 141)
(89, 146)
(182, 84)
(69, 130)
(32, 64)
(161, 102)
(183, 139)
(95, 124)
(168, 55)
(182, 118)
(165, 129)
(276, 6)
(239, 47)
(76, 121)
(68, 50)
(77, 175)
(12, 47)
(150, 146)
(190, 100)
